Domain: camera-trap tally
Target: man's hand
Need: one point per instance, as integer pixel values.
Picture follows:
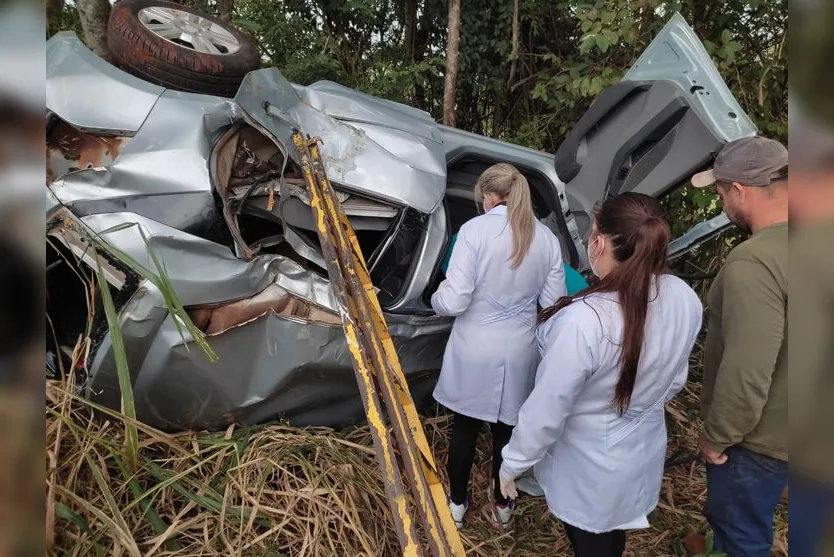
(507, 485)
(710, 455)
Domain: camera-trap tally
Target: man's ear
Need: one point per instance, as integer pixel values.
(740, 190)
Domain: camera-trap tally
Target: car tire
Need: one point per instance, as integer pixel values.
(178, 47)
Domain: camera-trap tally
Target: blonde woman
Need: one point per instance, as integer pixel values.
(504, 262)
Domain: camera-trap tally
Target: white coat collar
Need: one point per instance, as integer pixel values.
(498, 210)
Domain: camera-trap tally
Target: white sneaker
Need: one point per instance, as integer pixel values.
(503, 514)
(458, 510)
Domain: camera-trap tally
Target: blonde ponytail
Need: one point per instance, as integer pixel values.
(508, 184)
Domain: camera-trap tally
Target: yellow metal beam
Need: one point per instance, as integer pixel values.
(383, 442)
(378, 369)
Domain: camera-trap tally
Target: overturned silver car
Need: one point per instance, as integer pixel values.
(212, 190)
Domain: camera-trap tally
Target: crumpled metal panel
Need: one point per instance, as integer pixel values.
(202, 272)
(344, 103)
(174, 132)
(162, 173)
(404, 168)
(270, 367)
(91, 94)
(69, 149)
(273, 365)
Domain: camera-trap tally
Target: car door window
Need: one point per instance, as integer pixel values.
(393, 260)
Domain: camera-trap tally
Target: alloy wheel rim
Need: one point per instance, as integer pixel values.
(189, 30)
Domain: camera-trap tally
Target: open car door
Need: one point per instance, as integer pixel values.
(666, 120)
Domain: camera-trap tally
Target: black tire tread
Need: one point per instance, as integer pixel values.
(159, 61)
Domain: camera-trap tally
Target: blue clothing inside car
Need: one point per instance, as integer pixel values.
(574, 281)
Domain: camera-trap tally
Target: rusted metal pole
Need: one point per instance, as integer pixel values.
(358, 280)
(383, 442)
(376, 356)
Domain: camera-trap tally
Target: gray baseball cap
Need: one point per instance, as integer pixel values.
(750, 161)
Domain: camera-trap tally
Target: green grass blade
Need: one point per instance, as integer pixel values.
(213, 503)
(144, 428)
(63, 511)
(124, 537)
(174, 302)
(113, 507)
(122, 369)
(162, 282)
(165, 479)
(159, 526)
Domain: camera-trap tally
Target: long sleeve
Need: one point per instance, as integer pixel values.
(454, 294)
(555, 286)
(566, 365)
(753, 322)
(679, 382)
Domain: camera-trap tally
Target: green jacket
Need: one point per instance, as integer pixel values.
(744, 396)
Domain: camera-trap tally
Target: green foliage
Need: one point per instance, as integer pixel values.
(67, 19)
(568, 52)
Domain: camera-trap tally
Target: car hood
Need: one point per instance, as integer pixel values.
(371, 146)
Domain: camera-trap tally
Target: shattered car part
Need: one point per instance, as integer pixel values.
(69, 149)
(215, 187)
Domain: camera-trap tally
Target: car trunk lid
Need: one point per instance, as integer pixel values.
(665, 120)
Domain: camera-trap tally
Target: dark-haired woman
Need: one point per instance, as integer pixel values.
(613, 355)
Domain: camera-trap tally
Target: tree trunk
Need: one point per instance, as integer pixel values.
(410, 19)
(225, 9)
(94, 15)
(514, 55)
(450, 84)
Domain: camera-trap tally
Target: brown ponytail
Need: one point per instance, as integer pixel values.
(637, 225)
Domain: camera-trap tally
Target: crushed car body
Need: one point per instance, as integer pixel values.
(208, 186)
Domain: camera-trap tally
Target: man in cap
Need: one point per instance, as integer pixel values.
(744, 397)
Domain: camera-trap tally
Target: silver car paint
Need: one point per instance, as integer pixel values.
(272, 365)
(381, 159)
(677, 54)
(269, 366)
(87, 92)
(160, 181)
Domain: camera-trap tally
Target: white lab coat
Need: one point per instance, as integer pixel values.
(491, 358)
(600, 471)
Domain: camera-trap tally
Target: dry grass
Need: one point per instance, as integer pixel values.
(281, 491)
(276, 490)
